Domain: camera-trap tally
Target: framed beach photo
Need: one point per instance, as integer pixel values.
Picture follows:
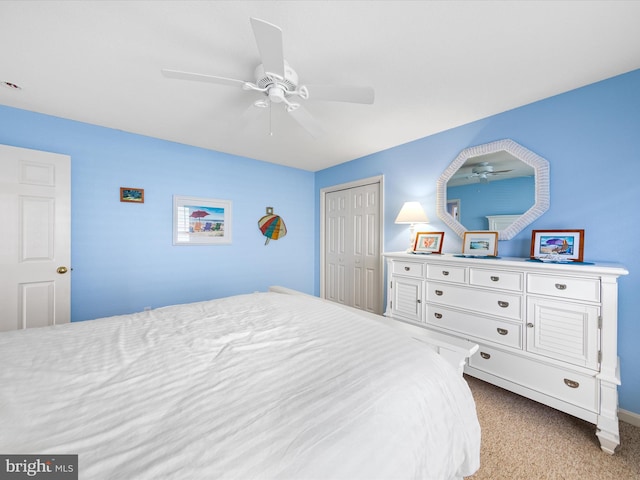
(428, 242)
(133, 195)
(557, 245)
(480, 244)
(201, 221)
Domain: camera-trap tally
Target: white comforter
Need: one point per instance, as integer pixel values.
(260, 386)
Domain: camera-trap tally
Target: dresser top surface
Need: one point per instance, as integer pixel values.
(511, 262)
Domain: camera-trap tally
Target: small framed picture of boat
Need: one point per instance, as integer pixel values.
(557, 245)
(134, 195)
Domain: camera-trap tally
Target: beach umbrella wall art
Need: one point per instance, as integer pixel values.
(272, 226)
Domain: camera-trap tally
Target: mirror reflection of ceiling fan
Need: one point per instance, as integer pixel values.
(279, 82)
(483, 170)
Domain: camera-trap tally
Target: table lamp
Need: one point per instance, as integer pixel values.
(411, 213)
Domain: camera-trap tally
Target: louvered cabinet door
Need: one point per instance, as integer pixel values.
(564, 331)
(406, 298)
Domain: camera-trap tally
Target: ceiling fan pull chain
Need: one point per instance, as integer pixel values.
(270, 124)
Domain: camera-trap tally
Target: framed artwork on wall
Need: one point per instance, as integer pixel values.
(480, 244)
(428, 242)
(557, 245)
(133, 195)
(201, 221)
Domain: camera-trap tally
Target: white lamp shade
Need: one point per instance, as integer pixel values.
(412, 212)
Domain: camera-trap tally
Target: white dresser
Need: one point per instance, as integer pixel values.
(546, 331)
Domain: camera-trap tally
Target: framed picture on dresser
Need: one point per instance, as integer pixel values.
(566, 245)
(482, 243)
(428, 242)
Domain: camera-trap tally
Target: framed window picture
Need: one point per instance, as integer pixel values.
(557, 245)
(201, 221)
(480, 244)
(134, 195)
(428, 242)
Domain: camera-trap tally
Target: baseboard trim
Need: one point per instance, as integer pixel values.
(629, 417)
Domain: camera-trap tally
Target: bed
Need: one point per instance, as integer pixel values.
(269, 385)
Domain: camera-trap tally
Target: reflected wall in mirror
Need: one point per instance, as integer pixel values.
(499, 186)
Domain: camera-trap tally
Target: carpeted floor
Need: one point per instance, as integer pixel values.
(523, 439)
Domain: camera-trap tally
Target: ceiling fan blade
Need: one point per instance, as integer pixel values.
(198, 77)
(237, 127)
(306, 120)
(269, 40)
(341, 93)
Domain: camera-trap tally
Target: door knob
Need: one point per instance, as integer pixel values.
(62, 270)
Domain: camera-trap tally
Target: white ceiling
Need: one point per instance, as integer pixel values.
(434, 65)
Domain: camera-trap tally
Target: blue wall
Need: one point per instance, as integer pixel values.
(122, 253)
(591, 138)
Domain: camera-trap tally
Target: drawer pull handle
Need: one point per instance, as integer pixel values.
(503, 304)
(561, 286)
(503, 331)
(495, 279)
(484, 355)
(437, 315)
(530, 325)
(439, 292)
(418, 301)
(445, 273)
(407, 268)
(571, 383)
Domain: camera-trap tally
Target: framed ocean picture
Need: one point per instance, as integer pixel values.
(480, 244)
(201, 221)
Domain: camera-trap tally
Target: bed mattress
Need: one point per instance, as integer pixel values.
(257, 386)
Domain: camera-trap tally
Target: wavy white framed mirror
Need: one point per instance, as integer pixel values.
(500, 186)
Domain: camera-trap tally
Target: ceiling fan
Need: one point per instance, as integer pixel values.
(484, 170)
(279, 82)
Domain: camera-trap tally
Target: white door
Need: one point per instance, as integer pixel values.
(352, 260)
(336, 213)
(35, 243)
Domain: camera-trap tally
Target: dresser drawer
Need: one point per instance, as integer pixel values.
(447, 273)
(502, 279)
(566, 385)
(409, 269)
(466, 324)
(574, 288)
(503, 304)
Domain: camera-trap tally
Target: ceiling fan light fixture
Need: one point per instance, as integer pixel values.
(276, 94)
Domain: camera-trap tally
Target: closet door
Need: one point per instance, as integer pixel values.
(336, 213)
(352, 247)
